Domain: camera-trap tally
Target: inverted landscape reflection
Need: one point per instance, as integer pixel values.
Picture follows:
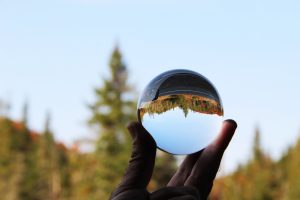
(176, 102)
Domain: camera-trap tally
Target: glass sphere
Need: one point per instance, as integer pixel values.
(182, 110)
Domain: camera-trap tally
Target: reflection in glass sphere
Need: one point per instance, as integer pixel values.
(182, 111)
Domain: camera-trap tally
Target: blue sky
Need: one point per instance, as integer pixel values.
(52, 53)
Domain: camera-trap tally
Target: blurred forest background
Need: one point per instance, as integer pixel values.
(34, 166)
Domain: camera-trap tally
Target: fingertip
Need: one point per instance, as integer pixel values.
(137, 131)
(132, 127)
(226, 133)
(231, 122)
(145, 134)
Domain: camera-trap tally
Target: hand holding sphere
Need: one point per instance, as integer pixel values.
(194, 178)
(192, 181)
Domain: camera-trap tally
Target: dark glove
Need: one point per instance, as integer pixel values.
(192, 181)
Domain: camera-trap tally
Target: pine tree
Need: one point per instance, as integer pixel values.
(11, 162)
(52, 164)
(25, 113)
(111, 113)
(46, 162)
(257, 150)
(27, 150)
(293, 174)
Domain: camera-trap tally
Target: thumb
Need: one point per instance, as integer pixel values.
(141, 164)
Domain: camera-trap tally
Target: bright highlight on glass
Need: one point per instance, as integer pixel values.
(182, 111)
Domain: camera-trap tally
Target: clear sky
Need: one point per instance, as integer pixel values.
(52, 54)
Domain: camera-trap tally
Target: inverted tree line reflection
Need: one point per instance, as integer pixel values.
(185, 102)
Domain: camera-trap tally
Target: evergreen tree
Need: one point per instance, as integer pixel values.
(52, 161)
(25, 113)
(10, 161)
(46, 162)
(112, 111)
(293, 173)
(257, 150)
(27, 157)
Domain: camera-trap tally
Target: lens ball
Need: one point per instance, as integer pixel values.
(182, 111)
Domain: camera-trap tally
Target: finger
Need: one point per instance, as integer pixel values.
(141, 164)
(225, 135)
(187, 165)
(184, 170)
(207, 165)
(171, 192)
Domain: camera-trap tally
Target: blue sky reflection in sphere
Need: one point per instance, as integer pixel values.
(175, 104)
